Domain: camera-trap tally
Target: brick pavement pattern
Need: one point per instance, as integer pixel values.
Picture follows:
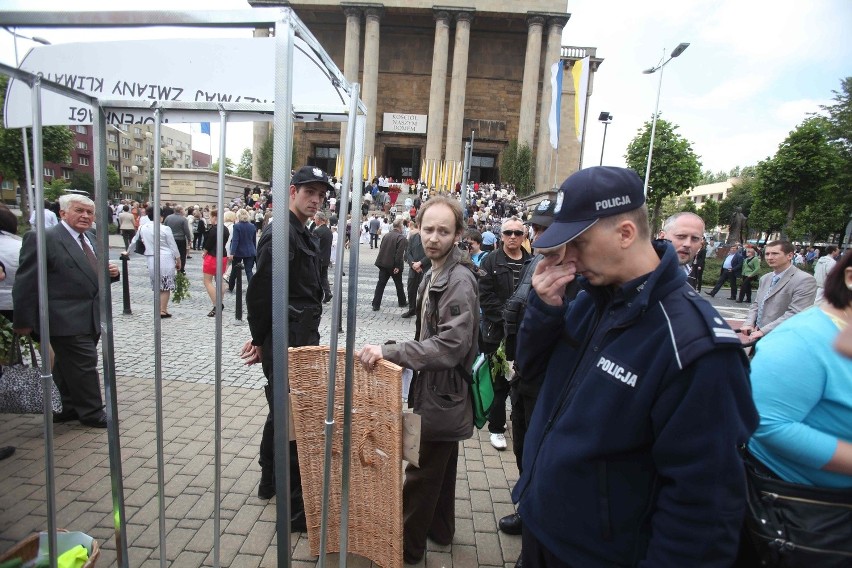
(83, 499)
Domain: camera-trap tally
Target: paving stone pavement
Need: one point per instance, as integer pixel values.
(83, 500)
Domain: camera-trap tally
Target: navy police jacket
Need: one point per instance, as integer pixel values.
(632, 458)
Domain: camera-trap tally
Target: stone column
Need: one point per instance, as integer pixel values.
(438, 89)
(371, 76)
(260, 130)
(529, 89)
(351, 57)
(544, 151)
(458, 84)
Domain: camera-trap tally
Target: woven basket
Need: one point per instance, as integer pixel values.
(27, 550)
(375, 498)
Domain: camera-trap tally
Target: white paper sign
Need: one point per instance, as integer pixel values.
(233, 70)
(395, 122)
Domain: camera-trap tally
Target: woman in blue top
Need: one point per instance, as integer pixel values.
(805, 402)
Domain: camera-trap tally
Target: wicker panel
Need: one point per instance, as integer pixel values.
(375, 499)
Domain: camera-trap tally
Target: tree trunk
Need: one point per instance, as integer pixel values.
(655, 219)
(25, 196)
(791, 211)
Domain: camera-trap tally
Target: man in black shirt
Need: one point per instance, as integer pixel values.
(307, 190)
(502, 270)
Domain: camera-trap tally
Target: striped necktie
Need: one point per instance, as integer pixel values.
(775, 279)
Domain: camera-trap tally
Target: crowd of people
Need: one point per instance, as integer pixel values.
(638, 423)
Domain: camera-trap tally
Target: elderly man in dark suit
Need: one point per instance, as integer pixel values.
(390, 264)
(73, 307)
(782, 293)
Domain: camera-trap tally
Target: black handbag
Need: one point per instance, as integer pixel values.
(140, 246)
(792, 525)
(21, 390)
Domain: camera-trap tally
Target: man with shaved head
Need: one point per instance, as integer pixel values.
(685, 230)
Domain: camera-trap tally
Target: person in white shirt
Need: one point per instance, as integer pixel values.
(822, 267)
(49, 216)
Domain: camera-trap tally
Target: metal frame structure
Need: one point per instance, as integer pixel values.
(287, 27)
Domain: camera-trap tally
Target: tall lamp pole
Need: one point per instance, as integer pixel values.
(27, 171)
(677, 51)
(605, 118)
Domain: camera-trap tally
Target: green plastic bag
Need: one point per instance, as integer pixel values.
(481, 390)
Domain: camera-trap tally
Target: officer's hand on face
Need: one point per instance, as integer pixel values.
(251, 354)
(551, 276)
(369, 356)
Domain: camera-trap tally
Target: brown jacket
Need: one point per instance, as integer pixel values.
(439, 392)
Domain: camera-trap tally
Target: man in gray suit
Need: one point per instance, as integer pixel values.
(73, 310)
(782, 293)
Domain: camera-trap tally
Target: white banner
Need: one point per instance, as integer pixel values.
(395, 122)
(226, 70)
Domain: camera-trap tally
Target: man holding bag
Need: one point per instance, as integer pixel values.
(501, 271)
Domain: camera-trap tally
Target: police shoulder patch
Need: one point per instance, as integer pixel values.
(455, 310)
(716, 326)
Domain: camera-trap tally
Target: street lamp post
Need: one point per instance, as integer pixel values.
(27, 171)
(677, 51)
(605, 118)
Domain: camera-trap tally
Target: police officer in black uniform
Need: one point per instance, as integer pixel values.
(307, 191)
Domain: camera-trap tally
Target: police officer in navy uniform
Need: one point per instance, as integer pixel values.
(631, 457)
(308, 187)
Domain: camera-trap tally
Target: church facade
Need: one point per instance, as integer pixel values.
(433, 76)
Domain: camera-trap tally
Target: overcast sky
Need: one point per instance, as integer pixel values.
(753, 71)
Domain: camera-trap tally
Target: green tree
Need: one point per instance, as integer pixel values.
(840, 133)
(516, 167)
(804, 163)
(825, 217)
(766, 217)
(229, 166)
(524, 183)
(710, 213)
(113, 179)
(264, 160)
(707, 176)
(674, 166)
(244, 168)
(840, 114)
(676, 204)
(83, 181)
(55, 189)
(507, 162)
(58, 142)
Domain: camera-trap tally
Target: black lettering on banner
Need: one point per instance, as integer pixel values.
(80, 114)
